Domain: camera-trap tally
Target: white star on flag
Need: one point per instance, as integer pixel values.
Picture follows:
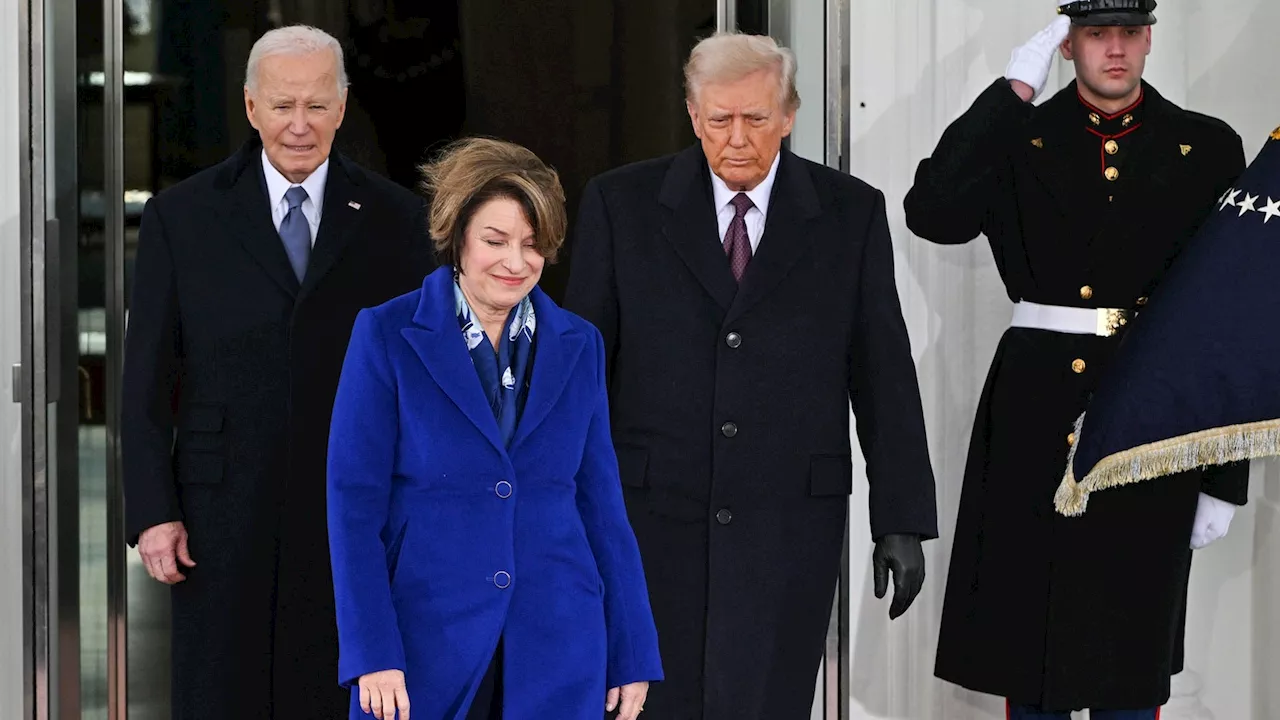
(1248, 204)
(1230, 198)
(1272, 210)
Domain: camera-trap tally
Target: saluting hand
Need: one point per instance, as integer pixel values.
(161, 548)
(1030, 63)
(629, 699)
(383, 693)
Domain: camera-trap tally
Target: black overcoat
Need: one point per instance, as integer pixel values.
(730, 415)
(1081, 209)
(230, 371)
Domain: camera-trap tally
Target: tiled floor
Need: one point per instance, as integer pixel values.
(148, 604)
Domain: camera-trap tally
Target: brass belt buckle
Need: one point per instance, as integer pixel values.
(1110, 320)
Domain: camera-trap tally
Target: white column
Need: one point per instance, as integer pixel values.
(13, 615)
(1266, 594)
(915, 65)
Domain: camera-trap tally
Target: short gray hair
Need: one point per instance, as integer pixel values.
(293, 40)
(731, 56)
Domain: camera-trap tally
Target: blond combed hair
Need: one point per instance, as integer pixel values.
(729, 56)
(472, 171)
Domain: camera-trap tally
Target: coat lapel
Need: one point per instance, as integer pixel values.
(689, 224)
(1052, 150)
(342, 213)
(1157, 156)
(437, 340)
(793, 202)
(558, 346)
(250, 220)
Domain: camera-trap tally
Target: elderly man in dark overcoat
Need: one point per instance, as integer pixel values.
(747, 297)
(248, 278)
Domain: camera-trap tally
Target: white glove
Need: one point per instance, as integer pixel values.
(1031, 62)
(1213, 517)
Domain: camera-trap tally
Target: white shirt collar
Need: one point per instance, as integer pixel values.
(278, 185)
(759, 194)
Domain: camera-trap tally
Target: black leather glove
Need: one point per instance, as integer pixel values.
(901, 554)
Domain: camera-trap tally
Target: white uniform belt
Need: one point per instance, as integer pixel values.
(1103, 322)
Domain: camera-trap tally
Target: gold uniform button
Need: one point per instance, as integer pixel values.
(1112, 147)
(1077, 365)
(1112, 174)
(1071, 438)
(1142, 301)
(1086, 292)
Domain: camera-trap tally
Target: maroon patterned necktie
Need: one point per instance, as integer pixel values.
(736, 244)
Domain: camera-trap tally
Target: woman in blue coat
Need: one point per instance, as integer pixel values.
(483, 564)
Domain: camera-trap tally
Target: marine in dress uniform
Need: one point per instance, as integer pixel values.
(1084, 209)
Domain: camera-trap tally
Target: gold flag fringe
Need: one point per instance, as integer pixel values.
(1216, 446)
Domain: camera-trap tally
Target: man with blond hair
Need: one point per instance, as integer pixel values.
(247, 282)
(746, 296)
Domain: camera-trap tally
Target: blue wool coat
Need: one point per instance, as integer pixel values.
(442, 540)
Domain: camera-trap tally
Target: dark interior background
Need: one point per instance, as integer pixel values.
(586, 84)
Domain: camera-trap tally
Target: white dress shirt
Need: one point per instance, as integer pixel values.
(278, 185)
(723, 197)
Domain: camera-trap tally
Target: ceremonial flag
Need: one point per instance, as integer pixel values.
(1196, 381)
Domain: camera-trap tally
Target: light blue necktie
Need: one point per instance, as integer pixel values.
(296, 232)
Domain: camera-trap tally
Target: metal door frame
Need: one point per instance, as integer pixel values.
(836, 650)
(114, 237)
(31, 381)
(48, 229)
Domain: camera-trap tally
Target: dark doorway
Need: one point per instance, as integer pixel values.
(585, 84)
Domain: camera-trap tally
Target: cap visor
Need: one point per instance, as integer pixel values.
(1114, 18)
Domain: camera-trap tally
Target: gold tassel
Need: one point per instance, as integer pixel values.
(1217, 446)
(1070, 500)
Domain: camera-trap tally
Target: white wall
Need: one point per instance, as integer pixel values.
(915, 66)
(11, 612)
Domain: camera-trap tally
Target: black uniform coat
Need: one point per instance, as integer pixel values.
(229, 377)
(1085, 210)
(730, 415)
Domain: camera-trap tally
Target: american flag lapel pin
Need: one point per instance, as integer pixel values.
(353, 205)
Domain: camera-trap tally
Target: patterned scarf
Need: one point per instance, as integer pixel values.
(504, 374)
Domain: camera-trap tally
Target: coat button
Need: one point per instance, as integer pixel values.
(1111, 174)
(1071, 438)
(1086, 292)
(1077, 366)
(503, 489)
(729, 429)
(502, 579)
(1112, 147)
(733, 340)
(724, 517)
